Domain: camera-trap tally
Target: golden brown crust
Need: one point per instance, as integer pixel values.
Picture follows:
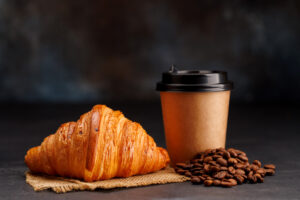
(101, 145)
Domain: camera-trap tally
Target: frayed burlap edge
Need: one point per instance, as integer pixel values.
(62, 185)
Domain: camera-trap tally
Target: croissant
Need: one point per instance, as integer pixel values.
(101, 145)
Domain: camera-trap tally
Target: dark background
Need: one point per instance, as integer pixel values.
(60, 57)
(76, 51)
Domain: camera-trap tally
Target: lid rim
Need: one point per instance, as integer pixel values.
(208, 90)
(199, 88)
(194, 80)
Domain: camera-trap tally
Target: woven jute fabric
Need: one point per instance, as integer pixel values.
(62, 185)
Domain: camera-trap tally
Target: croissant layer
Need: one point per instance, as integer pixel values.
(101, 145)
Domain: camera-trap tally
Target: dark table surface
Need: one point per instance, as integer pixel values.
(269, 133)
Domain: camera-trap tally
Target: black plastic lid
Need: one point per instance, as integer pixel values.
(194, 81)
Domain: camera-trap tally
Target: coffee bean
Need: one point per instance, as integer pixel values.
(207, 152)
(240, 161)
(215, 168)
(206, 168)
(261, 171)
(233, 181)
(196, 180)
(220, 149)
(240, 166)
(217, 182)
(215, 157)
(181, 171)
(254, 167)
(270, 166)
(250, 174)
(202, 157)
(196, 169)
(198, 165)
(239, 179)
(198, 156)
(187, 173)
(231, 170)
(223, 168)
(189, 166)
(247, 169)
(227, 183)
(202, 178)
(196, 173)
(232, 161)
(253, 179)
(194, 177)
(220, 175)
(208, 182)
(212, 162)
(207, 159)
(257, 162)
(243, 157)
(239, 152)
(259, 178)
(232, 153)
(239, 172)
(222, 161)
(226, 155)
(229, 175)
(180, 165)
(205, 176)
(270, 172)
(220, 153)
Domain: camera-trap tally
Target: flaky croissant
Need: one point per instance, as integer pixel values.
(101, 145)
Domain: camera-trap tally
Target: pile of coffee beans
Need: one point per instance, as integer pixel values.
(227, 168)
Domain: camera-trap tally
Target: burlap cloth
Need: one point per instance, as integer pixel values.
(62, 185)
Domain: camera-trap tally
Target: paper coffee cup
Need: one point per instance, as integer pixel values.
(195, 111)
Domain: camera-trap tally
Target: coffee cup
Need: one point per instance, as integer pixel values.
(195, 106)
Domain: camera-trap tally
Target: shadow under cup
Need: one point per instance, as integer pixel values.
(195, 108)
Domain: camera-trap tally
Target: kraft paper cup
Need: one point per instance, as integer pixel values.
(195, 108)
